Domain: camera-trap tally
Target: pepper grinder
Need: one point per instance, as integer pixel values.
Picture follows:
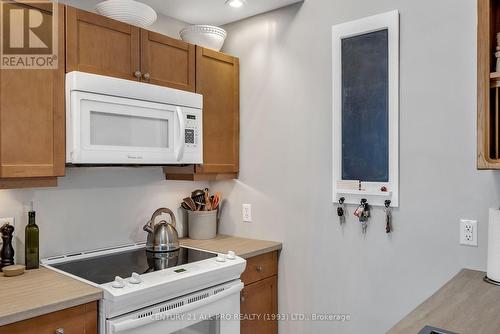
(7, 252)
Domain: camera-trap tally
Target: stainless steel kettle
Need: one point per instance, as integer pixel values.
(162, 236)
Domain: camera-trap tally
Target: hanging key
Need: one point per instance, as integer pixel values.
(388, 216)
(363, 213)
(341, 210)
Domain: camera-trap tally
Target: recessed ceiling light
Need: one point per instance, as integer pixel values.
(235, 3)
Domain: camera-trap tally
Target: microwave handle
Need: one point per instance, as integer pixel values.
(133, 323)
(182, 130)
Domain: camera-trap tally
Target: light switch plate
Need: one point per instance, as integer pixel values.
(468, 232)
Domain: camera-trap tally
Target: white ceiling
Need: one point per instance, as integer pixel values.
(213, 12)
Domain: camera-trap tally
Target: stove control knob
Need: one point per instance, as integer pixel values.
(118, 283)
(231, 255)
(221, 258)
(135, 279)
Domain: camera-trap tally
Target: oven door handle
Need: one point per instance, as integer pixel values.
(182, 130)
(130, 324)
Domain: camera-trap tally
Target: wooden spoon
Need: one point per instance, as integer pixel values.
(190, 203)
(208, 204)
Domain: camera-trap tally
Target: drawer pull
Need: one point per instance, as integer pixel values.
(60, 331)
(260, 269)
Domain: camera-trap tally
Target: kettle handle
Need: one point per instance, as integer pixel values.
(159, 212)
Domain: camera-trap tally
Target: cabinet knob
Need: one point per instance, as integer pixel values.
(146, 76)
(60, 331)
(260, 269)
(242, 298)
(137, 74)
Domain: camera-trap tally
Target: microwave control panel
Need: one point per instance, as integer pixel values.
(192, 131)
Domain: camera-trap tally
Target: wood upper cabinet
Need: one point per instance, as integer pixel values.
(32, 120)
(75, 320)
(100, 45)
(167, 61)
(217, 79)
(488, 86)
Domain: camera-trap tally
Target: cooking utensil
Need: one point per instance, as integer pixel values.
(198, 196)
(186, 207)
(216, 201)
(208, 204)
(190, 203)
(162, 236)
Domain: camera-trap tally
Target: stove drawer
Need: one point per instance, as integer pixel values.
(75, 320)
(260, 267)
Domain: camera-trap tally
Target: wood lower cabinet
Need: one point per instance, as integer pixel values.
(217, 79)
(260, 295)
(32, 119)
(100, 45)
(167, 61)
(75, 320)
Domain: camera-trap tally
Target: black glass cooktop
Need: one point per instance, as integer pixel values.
(103, 269)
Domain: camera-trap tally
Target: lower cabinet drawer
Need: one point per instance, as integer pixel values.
(75, 320)
(260, 267)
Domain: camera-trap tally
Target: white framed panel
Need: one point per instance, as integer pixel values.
(370, 190)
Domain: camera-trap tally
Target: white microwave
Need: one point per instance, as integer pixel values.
(112, 121)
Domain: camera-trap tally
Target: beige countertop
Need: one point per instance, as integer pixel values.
(39, 292)
(465, 305)
(243, 247)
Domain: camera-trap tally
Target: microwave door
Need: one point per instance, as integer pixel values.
(117, 130)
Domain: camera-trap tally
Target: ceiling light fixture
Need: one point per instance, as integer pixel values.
(235, 3)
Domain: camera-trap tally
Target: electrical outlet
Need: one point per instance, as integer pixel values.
(468, 232)
(247, 213)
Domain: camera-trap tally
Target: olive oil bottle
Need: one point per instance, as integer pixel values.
(31, 236)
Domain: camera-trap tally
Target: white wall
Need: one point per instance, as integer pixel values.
(94, 208)
(286, 162)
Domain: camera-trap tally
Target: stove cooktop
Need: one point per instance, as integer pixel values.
(104, 268)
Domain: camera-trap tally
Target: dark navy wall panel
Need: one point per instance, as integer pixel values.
(365, 107)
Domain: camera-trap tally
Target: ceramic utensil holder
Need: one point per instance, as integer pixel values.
(202, 225)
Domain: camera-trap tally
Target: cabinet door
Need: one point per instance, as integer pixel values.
(75, 320)
(167, 62)
(100, 45)
(217, 79)
(260, 298)
(32, 119)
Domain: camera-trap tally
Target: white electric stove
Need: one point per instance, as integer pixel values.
(187, 291)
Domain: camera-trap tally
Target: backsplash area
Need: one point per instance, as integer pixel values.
(94, 208)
